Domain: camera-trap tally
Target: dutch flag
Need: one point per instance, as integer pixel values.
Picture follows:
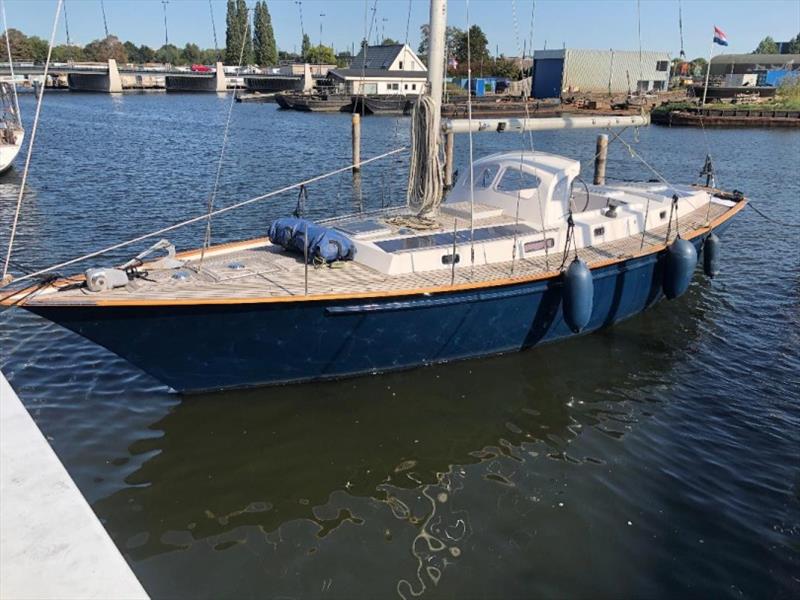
(720, 37)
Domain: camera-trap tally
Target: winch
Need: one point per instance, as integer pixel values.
(101, 279)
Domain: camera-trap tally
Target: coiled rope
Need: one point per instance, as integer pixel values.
(425, 177)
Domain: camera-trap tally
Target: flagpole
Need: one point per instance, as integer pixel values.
(708, 71)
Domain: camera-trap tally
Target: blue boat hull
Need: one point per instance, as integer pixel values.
(219, 346)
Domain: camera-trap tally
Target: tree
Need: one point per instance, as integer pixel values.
(699, 67)
(102, 50)
(323, 55)
(305, 47)
(243, 18)
(794, 45)
(766, 46)
(191, 54)
(233, 35)
(169, 53)
(146, 54)
(66, 53)
(389, 42)
(133, 52)
(451, 34)
(504, 67)
(264, 47)
(38, 48)
(20, 46)
(478, 47)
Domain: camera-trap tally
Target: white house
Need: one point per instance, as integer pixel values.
(394, 69)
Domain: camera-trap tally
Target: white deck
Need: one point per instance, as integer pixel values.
(51, 543)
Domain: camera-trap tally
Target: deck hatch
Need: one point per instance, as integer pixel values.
(441, 240)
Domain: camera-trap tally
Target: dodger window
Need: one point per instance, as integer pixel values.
(514, 180)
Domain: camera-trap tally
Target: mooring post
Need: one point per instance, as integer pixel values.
(356, 142)
(449, 143)
(600, 159)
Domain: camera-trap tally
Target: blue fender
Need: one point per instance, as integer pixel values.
(681, 259)
(578, 295)
(711, 250)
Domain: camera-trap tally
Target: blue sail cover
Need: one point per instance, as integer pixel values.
(324, 243)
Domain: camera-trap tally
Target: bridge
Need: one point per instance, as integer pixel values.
(110, 78)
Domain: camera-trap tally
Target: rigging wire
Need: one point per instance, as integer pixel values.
(214, 29)
(30, 143)
(217, 175)
(11, 64)
(680, 29)
(105, 21)
(66, 23)
(204, 216)
(471, 154)
(525, 98)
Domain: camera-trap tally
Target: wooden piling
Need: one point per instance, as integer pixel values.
(600, 159)
(449, 143)
(356, 142)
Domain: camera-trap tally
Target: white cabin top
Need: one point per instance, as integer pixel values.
(530, 178)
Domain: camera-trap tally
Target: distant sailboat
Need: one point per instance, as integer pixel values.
(11, 132)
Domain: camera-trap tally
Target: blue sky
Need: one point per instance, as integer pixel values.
(576, 23)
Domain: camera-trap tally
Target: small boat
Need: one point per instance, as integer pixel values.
(396, 104)
(521, 252)
(323, 102)
(11, 132)
(285, 100)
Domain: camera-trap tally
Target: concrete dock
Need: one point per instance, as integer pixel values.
(51, 543)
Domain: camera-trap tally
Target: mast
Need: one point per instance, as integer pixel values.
(436, 43)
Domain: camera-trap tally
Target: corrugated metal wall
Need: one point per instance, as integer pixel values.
(590, 70)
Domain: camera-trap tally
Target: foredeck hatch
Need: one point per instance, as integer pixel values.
(443, 240)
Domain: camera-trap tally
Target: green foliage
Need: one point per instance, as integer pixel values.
(323, 55)
(698, 67)
(264, 47)
(766, 46)
(451, 35)
(64, 53)
(788, 93)
(102, 50)
(794, 45)
(305, 47)
(389, 42)
(238, 41)
(503, 67)
(192, 54)
(169, 53)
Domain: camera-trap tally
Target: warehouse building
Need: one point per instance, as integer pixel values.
(740, 64)
(567, 71)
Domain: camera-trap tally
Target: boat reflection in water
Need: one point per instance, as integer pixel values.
(394, 471)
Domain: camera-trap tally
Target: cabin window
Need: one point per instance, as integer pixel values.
(514, 180)
(406, 85)
(598, 231)
(484, 177)
(662, 65)
(538, 245)
(393, 86)
(413, 86)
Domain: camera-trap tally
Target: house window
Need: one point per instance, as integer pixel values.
(658, 85)
(515, 180)
(401, 65)
(413, 86)
(406, 86)
(393, 86)
(662, 65)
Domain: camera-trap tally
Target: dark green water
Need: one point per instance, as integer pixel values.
(658, 458)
